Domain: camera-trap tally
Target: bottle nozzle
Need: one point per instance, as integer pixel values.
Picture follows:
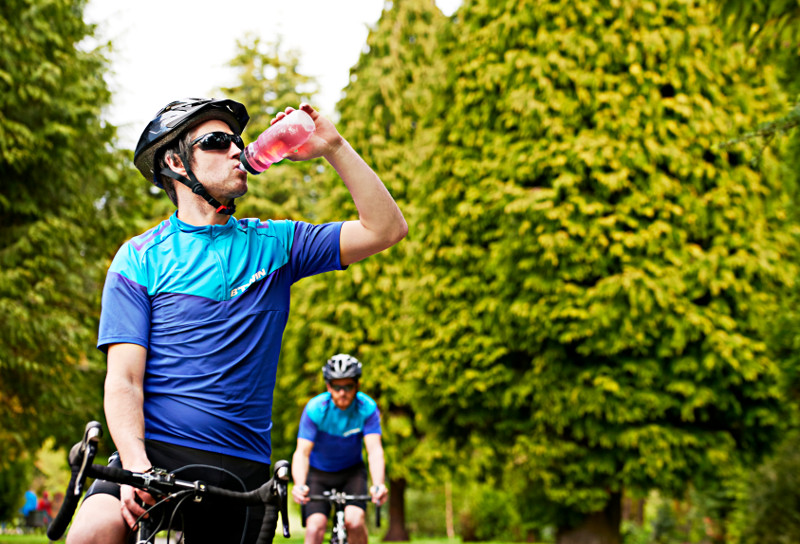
(245, 166)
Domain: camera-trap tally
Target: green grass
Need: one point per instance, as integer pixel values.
(24, 539)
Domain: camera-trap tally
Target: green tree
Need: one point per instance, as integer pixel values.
(601, 275)
(61, 198)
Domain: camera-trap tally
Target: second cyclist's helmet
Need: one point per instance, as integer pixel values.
(171, 121)
(341, 366)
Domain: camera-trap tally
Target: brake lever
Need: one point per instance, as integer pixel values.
(87, 449)
(281, 475)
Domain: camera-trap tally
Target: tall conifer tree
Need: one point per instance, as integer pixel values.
(603, 273)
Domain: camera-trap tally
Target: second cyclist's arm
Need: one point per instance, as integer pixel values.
(300, 466)
(377, 465)
(124, 396)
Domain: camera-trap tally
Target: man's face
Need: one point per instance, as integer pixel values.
(217, 170)
(343, 392)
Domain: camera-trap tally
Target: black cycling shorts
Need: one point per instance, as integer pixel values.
(212, 520)
(352, 481)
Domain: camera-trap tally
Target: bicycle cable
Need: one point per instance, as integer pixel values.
(172, 519)
(166, 497)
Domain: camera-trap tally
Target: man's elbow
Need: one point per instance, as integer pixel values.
(399, 231)
(393, 235)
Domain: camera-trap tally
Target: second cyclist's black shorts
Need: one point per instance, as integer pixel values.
(213, 520)
(352, 481)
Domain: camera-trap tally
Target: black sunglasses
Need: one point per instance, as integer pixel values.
(349, 387)
(218, 141)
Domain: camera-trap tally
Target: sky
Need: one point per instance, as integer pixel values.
(164, 50)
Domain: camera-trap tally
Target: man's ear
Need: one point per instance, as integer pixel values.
(174, 162)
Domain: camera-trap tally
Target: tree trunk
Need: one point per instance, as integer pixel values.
(633, 510)
(397, 512)
(448, 509)
(598, 527)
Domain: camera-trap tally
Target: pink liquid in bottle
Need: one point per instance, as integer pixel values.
(277, 141)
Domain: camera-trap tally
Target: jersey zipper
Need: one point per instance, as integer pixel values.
(226, 293)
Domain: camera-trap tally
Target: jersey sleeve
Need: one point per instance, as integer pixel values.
(315, 249)
(308, 429)
(372, 423)
(125, 312)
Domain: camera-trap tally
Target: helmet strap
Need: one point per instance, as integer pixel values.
(198, 189)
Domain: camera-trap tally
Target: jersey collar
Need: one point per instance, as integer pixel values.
(208, 230)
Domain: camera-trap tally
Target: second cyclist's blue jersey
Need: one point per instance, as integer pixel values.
(337, 434)
(210, 305)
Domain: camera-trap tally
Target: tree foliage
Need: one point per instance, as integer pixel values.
(600, 274)
(771, 33)
(770, 29)
(60, 202)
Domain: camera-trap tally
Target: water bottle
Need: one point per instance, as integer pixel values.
(280, 139)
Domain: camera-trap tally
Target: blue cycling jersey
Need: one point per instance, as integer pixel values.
(337, 434)
(210, 305)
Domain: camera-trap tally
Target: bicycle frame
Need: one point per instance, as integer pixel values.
(272, 494)
(339, 500)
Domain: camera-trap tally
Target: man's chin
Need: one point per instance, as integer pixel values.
(240, 189)
(343, 406)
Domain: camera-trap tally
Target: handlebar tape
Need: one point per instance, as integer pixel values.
(80, 454)
(269, 525)
(112, 474)
(56, 529)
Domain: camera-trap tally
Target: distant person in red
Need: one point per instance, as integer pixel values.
(46, 506)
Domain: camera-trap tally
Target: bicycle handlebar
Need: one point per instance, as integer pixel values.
(272, 493)
(341, 498)
(80, 456)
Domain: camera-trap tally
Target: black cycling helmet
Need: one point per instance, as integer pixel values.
(341, 366)
(170, 123)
